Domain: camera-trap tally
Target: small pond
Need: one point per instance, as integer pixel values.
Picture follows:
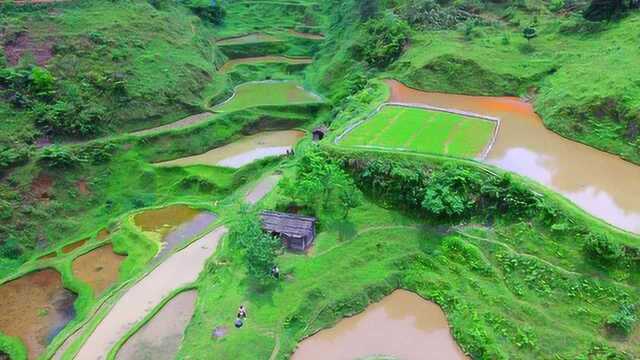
(69, 248)
(403, 325)
(175, 224)
(35, 308)
(98, 268)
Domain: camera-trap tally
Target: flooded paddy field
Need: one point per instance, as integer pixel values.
(602, 184)
(160, 338)
(75, 245)
(98, 268)
(403, 325)
(244, 151)
(229, 65)
(414, 129)
(261, 93)
(248, 39)
(178, 270)
(175, 224)
(188, 121)
(35, 308)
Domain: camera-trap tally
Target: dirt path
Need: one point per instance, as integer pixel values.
(178, 270)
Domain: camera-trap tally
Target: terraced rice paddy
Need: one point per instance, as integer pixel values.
(418, 130)
(35, 308)
(244, 151)
(229, 65)
(174, 224)
(188, 121)
(263, 93)
(138, 301)
(98, 268)
(248, 39)
(160, 338)
(69, 248)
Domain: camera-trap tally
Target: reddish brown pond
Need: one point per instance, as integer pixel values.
(160, 338)
(35, 308)
(50, 255)
(98, 268)
(600, 183)
(403, 325)
(175, 224)
(69, 248)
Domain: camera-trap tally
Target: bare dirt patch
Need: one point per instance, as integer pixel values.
(42, 188)
(83, 187)
(23, 44)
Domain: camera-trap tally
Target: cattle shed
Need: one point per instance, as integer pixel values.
(297, 232)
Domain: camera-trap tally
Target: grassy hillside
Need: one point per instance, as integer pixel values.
(89, 68)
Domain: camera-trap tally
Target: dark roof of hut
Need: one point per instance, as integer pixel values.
(322, 129)
(289, 224)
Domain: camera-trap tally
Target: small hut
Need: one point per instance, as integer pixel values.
(319, 133)
(297, 232)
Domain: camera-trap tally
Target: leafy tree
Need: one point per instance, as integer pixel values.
(381, 41)
(214, 13)
(599, 10)
(321, 183)
(260, 249)
(42, 81)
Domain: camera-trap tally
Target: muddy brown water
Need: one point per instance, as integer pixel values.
(264, 60)
(35, 308)
(403, 325)
(248, 39)
(161, 337)
(188, 121)
(600, 183)
(69, 248)
(98, 268)
(136, 302)
(244, 151)
(175, 224)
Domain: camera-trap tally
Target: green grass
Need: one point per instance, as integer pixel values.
(267, 93)
(424, 131)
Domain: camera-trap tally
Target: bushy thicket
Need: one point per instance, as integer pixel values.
(320, 184)
(450, 192)
(258, 248)
(624, 320)
(381, 41)
(430, 15)
(54, 108)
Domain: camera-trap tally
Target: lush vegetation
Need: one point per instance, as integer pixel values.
(402, 128)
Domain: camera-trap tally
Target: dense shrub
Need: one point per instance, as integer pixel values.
(213, 13)
(59, 157)
(381, 41)
(429, 14)
(450, 192)
(623, 320)
(601, 248)
(599, 10)
(10, 156)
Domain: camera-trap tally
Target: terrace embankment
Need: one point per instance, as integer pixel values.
(602, 184)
